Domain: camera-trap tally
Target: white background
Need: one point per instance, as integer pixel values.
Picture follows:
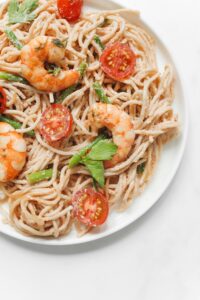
(158, 257)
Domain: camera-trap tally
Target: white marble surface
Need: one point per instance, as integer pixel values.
(158, 257)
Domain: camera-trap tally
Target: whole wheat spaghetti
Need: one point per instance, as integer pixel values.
(44, 209)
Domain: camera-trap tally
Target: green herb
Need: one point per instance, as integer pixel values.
(103, 150)
(21, 12)
(15, 124)
(11, 77)
(99, 42)
(141, 168)
(65, 93)
(96, 169)
(12, 37)
(75, 160)
(39, 176)
(100, 92)
(60, 44)
(55, 72)
(82, 68)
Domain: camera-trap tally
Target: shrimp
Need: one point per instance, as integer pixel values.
(43, 50)
(119, 123)
(12, 152)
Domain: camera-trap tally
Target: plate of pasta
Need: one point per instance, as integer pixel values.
(93, 120)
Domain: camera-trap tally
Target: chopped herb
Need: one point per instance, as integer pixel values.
(11, 77)
(82, 68)
(15, 124)
(21, 12)
(141, 168)
(100, 92)
(55, 72)
(60, 44)
(99, 42)
(12, 37)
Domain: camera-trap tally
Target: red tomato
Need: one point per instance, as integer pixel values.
(70, 9)
(56, 123)
(90, 207)
(2, 100)
(118, 61)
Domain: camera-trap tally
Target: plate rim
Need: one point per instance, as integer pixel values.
(148, 207)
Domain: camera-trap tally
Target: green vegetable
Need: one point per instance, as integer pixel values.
(11, 77)
(55, 71)
(65, 93)
(141, 168)
(82, 68)
(59, 44)
(21, 12)
(99, 42)
(75, 160)
(100, 92)
(15, 124)
(39, 176)
(96, 169)
(12, 37)
(103, 150)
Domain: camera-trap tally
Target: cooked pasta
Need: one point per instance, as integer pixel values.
(44, 209)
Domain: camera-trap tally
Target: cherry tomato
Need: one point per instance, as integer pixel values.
(90, 207)
(70, 9)
(56, 123)
(118, 61)
(2, 100)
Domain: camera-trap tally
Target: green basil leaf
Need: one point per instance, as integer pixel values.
(96, 170)
(103, 150)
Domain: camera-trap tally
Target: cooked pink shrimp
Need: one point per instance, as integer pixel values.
(12, 152)
(35, 54)
(119, 123)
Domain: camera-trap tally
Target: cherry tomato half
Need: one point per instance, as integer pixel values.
(2, 100)
(118, 61)
(90, 207)
(70, 9)
(56, 123)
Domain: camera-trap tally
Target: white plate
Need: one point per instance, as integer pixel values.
(165, 171)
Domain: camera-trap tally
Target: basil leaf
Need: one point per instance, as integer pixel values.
(12, 37)
(76, 159)
(141, 168)
(103, 150)
(99, 42)
(96, 170)
(100, 93)
(21, 12)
